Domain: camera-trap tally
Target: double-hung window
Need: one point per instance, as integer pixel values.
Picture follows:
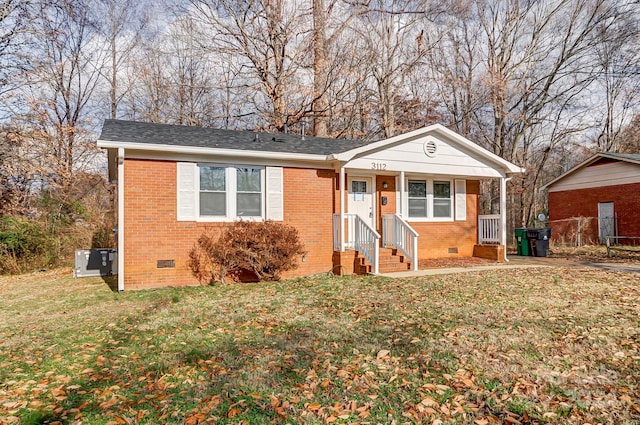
(442, 200)
(217, 192)
(418, 205)
(248, 192)
(230, 192)
(429, 200)
(213, 191)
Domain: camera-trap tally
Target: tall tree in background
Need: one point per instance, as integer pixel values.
(617, 59)
(15, 30)
(264, 35)
(15, 33)
(524, 78)
(59, 92)
(393, 46)
(121, 24)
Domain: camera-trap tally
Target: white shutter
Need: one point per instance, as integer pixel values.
(461, 200)
(187, 191)
(275, 200)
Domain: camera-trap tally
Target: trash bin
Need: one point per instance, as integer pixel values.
(522, 243)
(539, 241)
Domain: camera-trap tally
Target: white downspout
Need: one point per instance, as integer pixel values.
(120, 219)
(342, 183)
(503, 214)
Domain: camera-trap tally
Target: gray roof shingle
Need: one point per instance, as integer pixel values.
(179, 135)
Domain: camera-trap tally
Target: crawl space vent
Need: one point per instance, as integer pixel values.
(453, 250)
(166, 264)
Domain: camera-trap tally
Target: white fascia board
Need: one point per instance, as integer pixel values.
(211, 151)
(507, 167)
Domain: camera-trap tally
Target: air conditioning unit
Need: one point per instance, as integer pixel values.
(96, 262)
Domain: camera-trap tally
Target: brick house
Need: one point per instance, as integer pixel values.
(598, 198)
(359, 208)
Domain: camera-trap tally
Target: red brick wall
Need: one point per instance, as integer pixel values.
(584, 203)
(152, 232)
(308, 206)
(437, 237)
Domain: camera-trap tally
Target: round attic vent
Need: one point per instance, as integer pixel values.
(430, 148)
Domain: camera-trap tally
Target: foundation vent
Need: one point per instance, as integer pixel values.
(166, 264)
(453, 250)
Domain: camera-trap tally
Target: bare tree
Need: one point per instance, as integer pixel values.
(264, 34)
(394, 45)
(60, 90)
(121, 23)
(618, 63)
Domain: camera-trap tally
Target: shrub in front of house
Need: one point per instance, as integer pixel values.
(264, 250)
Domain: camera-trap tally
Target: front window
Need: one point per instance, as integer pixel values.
(229, 192)
(249, 192)
(213, 191)
(417, 198)
(442, 199)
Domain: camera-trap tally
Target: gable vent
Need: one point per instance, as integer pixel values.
(430, 148)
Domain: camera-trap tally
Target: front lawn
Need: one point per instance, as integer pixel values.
(523, 346)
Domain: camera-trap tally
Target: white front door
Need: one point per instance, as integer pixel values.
(606, 221)
(361, 198)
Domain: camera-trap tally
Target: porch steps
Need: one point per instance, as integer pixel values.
(390, 261)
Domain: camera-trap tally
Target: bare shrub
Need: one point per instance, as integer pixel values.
(266, 249)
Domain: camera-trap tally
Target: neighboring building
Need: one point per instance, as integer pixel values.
(598, 198)
(416, 193)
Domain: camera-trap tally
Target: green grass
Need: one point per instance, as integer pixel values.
(465, 348)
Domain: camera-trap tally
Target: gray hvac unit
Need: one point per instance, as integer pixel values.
(96, 262)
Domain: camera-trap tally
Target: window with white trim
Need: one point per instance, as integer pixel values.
(230, 192)
(249, 192)
(429, 200)
(442, 200)
(418, 203)
(217, 192)
(213, 191)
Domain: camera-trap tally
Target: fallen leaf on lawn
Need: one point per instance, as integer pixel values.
(107, 404)
(429, 402)
(382, 354)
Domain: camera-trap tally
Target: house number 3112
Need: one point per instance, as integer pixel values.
(378, 166)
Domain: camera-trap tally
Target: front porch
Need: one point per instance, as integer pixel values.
(416, 194)
(365, 251)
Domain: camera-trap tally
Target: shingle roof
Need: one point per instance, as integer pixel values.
(179, 135)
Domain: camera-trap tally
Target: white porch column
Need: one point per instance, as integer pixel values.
(342, 184)
(120, 219)
(503, 215)
(401, 195)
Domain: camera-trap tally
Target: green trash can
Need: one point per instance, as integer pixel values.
(522, 242)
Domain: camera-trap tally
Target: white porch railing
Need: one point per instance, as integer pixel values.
(399, 234)
(360, 236)
(489, 229)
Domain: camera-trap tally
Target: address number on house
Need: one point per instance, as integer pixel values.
(378, 166)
